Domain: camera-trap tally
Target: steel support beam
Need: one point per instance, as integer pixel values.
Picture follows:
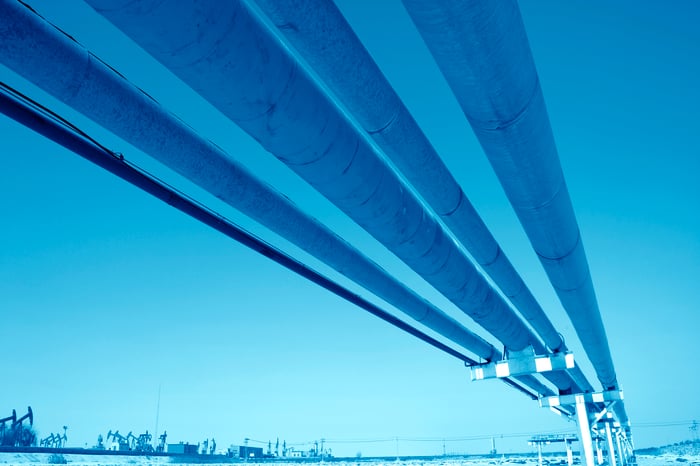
(597, 397)
(523, 366)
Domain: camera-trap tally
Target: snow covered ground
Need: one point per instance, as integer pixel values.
(94, 460)
(666, 459)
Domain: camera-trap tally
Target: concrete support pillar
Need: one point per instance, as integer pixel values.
(569, 454)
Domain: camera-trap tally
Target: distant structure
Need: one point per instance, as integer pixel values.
(13, 431)
(540, 440)
(161, 442)
(245, 452)
(118, 442)
(183, 448)
(208, 447)
(55, 440)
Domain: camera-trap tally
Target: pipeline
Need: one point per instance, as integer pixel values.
(128, 95)
(277, 102)
(315, 27)
(50, 125)
(44, 55)
(481, 47)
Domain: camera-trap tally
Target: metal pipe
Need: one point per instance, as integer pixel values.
(51, 126)
(497, 86)
(46, 123)
(44, 55)
(277, 102)
(313, 27)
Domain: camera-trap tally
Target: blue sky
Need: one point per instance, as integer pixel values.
(107, 294)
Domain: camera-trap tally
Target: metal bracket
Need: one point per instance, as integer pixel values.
(596, 397)
(523, 366)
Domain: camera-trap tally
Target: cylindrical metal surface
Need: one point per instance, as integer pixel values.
(277, 102)
(483, 52)
(314, 27)
(49, 126)
(55, 62)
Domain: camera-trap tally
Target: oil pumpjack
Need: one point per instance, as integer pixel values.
(17, 434)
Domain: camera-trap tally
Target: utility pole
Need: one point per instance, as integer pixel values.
(694, 430)
(155, 435)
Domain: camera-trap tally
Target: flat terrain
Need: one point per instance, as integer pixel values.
(665, 459)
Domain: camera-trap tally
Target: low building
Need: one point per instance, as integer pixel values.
(250, 452)
(183, 448)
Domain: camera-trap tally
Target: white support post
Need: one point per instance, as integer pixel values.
(585, 428)
(569, 454)
(539, 453)
(599, 452)
(630, 448)
(619, 449)
(629, 444)
(611, 447)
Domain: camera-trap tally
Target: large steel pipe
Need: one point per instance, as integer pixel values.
(324, 39)
(55, 62)
(52, 126)
(483, 52)
(226, 54)
(48, 124)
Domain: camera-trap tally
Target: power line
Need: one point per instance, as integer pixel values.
(436, 439)
(664, 424)
(467, 438)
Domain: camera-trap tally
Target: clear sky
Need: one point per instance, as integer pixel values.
(107, 294)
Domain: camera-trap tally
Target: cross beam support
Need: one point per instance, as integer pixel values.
(597, 397)
(523, 366)
(587, 406)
